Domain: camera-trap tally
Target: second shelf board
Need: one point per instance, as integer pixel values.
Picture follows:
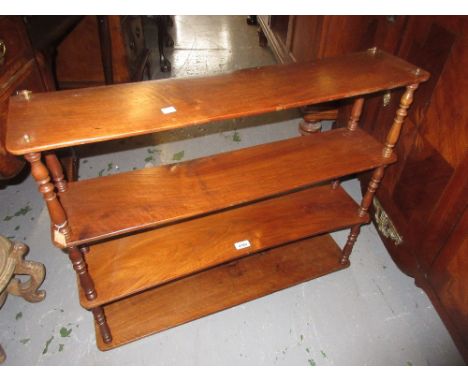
(219, 288)
(134, 263)
(108, 206)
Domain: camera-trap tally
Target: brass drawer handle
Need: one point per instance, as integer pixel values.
(2, 51)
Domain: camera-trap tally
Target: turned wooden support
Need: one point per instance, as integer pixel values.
(313, 115)
(390, 142)
(55, 168)
(400, 115)
(101, 322)
(79, 265)
(346, 252)
(57, 213)
(353, 122)
(352, 125)
(309, 125)
(371, 189)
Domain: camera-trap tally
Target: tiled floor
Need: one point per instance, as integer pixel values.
(368, 314)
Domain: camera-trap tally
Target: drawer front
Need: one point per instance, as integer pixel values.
(15, 49)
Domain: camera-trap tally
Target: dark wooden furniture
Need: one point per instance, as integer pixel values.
(46, 33)
(423, 199)
(306, 38)
(143, 242)
(103, 50)
(420, 205)
(164, 40)
(20, 69)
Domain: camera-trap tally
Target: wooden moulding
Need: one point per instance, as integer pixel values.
(108, 206)
(131, 264)
(74, 117)
(219, 288)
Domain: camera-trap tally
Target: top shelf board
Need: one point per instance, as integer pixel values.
(47, 121)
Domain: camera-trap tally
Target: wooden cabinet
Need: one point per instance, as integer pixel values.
(102, 50)
(207, 240)
(425, 195)
(18, 71)
(306, 38)
(422, 200)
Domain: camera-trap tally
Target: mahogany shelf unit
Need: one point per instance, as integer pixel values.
(232, 227)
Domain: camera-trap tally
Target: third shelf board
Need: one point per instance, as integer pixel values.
(128, 265)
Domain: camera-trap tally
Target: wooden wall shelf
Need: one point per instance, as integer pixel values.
(158, 247)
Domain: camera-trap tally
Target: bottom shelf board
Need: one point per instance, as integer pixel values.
(219, 288)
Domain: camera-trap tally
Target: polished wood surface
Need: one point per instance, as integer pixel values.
(68, 118)
(259, 194)
(219, 288)
(107, 206)
(138, 262)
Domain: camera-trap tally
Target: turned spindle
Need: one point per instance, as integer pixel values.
(400, 115)
(346, 252)
(101, 322)
(353, 122)
(55, 168)
(79, 265)
(46, 188)
(378, 173)
(377, 176)
(390, 142)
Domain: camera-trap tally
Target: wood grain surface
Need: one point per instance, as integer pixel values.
(134, 263)
(74, 117)
(113, 205)
(219, 288)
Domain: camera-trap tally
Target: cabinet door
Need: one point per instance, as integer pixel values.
(448, 276)
(420, 192)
